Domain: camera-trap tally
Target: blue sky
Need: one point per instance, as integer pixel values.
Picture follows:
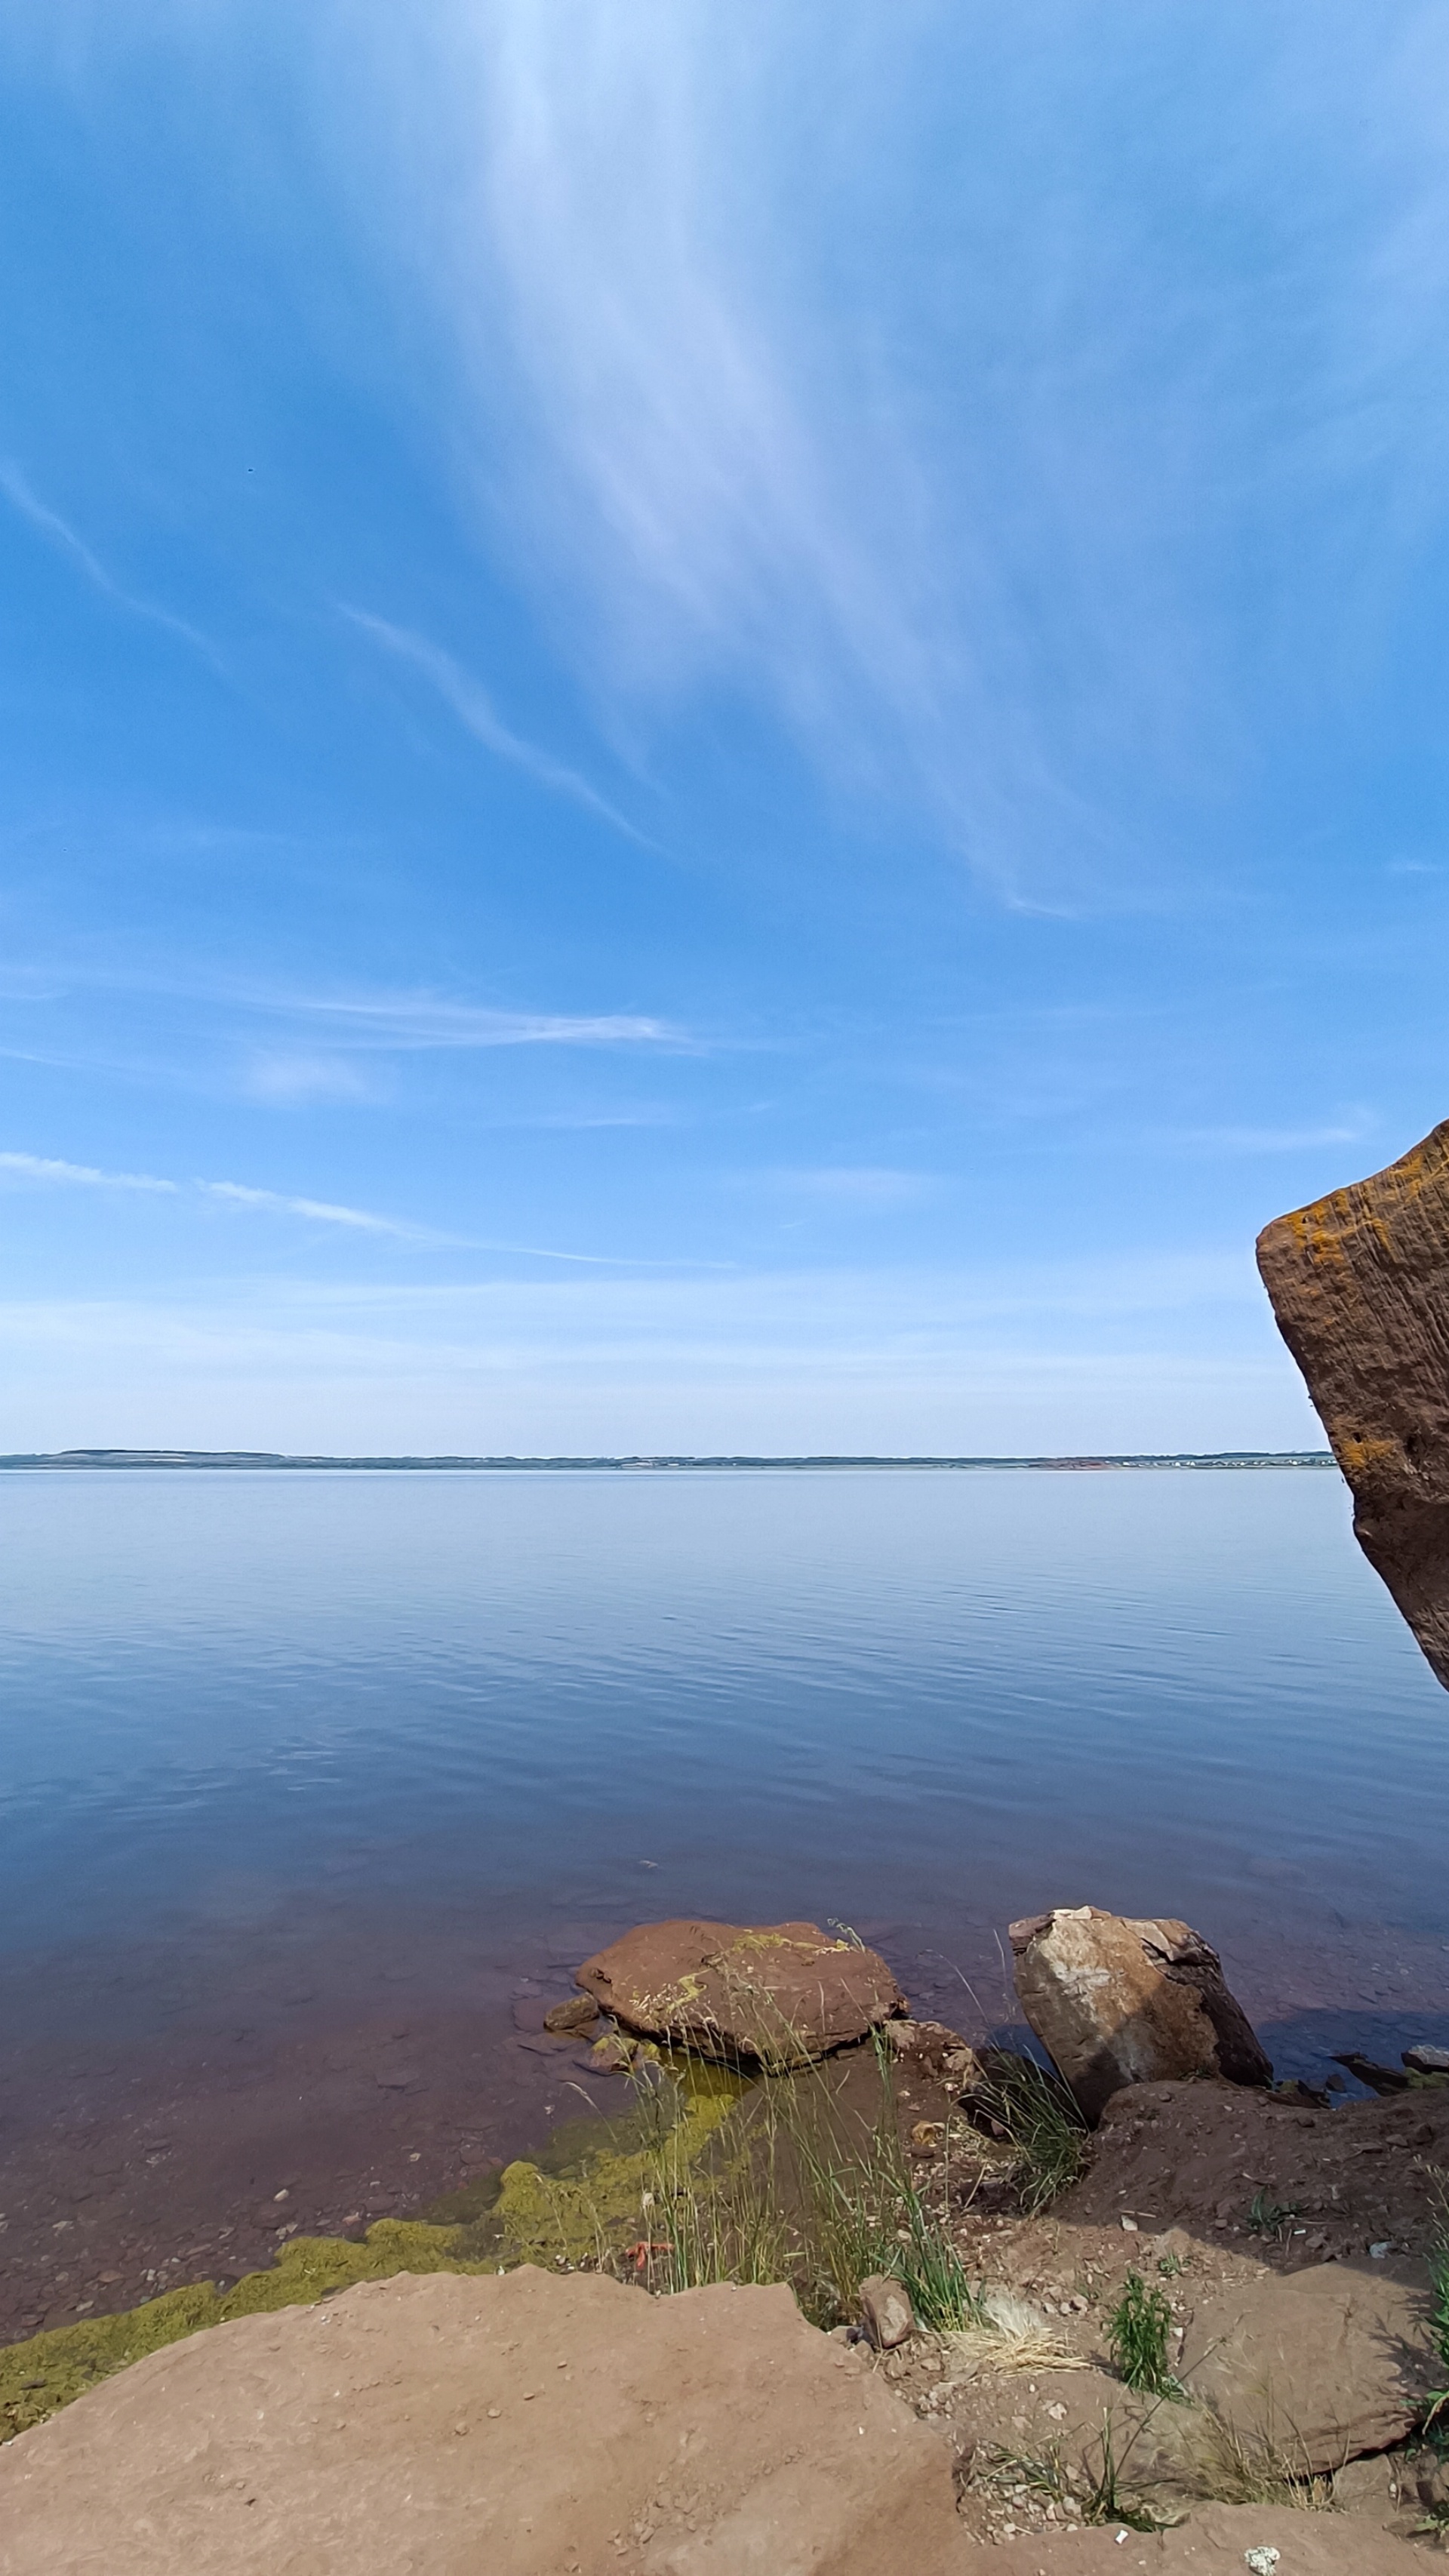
(724, 728)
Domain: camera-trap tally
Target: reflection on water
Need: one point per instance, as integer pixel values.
(326, 1722)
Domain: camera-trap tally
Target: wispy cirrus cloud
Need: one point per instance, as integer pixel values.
(1264, 1140)
(321, 1211)
(59, 533)
(475, 711)
(300, 1046)
(243, 1197)
(288, 1079)
(47, 1167)
(928, 429)
(406, 1021)
(911, 372)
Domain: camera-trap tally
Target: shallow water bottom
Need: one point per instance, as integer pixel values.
(195, 2152)
(316, 1789)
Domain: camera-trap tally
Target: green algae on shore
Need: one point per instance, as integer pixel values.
(579, 2201)
(44, 2373)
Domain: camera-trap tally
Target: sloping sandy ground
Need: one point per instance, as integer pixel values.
(508, 2426)
(521, 2425)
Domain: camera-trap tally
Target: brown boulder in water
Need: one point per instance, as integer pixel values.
(780, 1992)
(1359, 1283)
(1118, 2002)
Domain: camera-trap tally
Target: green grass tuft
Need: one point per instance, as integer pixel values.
(1039, 2118)
(1137, 2332)
(1268, 2217)
(1439, 2295)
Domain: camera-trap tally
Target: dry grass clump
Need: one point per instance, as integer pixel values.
(1241, 2468)
(1007, 2335)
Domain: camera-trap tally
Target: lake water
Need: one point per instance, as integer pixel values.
(278, 1744)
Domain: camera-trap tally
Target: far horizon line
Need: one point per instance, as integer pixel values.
(656, 1461)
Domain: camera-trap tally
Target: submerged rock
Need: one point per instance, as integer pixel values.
(1379, 2079)
(580, 2012)
(782, 1993)
(1118, 2002)
(1359, 1283)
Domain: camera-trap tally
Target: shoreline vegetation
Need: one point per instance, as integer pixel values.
(801, 2175)
(1097, 2316)
(715, 2173)
(1230, 1459)
(1087, 2313)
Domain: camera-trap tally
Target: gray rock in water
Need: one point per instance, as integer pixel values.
(1426, 2060)
(1379, 2079)
(1115, 2001)
(1359, 1283)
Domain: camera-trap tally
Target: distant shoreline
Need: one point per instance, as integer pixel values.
(1235, 1459)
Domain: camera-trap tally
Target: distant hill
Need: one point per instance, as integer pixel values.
(276, 1458)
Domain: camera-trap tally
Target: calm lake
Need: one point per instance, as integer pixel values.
(237, 1699)
(284, 1752)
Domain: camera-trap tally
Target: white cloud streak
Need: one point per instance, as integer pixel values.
(929, 433)
(241, 1196)
(44, 1167)
(406, 1021)
(62, 536)
(320, 1211)
(470, 703)
(1261, 1140)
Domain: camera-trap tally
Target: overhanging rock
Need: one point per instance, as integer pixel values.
(1359, 1283)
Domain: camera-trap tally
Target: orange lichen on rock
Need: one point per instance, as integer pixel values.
(1360, 1286)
